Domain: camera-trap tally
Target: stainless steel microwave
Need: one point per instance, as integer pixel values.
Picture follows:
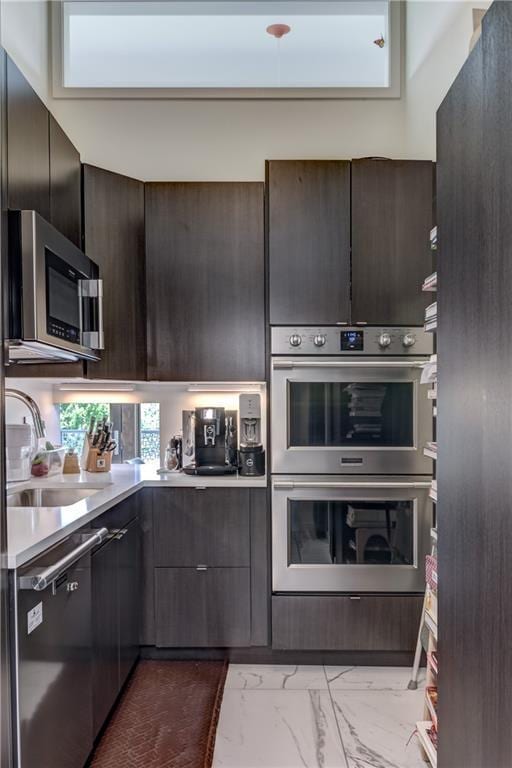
(55, 301)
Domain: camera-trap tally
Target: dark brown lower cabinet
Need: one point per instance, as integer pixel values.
(201, 526)
(205, 567)
(345, 623)
(198, 607)
(105, 668)
(115, 610)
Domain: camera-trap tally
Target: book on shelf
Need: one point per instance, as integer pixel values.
(430, 449)
(430, 283)
(431, 311)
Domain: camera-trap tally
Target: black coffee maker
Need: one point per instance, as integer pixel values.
(214, 435)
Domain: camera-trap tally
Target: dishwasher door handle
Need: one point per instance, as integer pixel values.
(42, 580)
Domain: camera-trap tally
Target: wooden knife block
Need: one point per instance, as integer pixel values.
(93, 460)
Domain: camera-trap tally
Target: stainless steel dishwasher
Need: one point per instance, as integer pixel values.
(53, 655)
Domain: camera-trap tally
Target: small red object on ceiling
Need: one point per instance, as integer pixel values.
(278, 30)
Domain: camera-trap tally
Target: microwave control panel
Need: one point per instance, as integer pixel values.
(370, 341)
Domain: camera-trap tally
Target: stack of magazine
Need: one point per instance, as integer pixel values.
(431, 317)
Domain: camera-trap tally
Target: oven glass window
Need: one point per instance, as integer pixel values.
(346, 414)
(62, 298)
(351, 532)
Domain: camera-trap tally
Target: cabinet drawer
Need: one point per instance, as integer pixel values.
(202, 608)
(201, 527)
(342, 623)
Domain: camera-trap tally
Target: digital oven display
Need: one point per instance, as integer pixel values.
(352, 341)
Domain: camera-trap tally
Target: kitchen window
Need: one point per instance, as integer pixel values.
(229, 49)
(136, 428)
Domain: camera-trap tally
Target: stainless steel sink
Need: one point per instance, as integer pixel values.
(48, 497)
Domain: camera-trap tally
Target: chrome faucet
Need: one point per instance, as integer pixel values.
(33, 407)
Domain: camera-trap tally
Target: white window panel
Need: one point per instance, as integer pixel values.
(209, 45)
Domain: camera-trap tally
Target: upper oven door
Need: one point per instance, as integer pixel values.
(332, 415)
(333, 534)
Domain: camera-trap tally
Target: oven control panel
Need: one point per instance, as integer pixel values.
(351, 340)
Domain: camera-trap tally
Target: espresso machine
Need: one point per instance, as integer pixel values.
(252, 455)
(210, 439)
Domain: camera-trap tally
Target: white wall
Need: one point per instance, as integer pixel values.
(162, 140)
(438, 35)
(41, 392)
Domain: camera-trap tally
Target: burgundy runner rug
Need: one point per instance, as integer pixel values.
(166, 718)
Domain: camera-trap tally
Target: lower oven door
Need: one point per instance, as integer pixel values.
(365, 416)
(341, 534)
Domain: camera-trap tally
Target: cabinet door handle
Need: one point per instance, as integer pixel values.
(354, 597)
(201, 567)
(200, 488)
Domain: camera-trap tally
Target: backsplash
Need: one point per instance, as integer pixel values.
(173, 398)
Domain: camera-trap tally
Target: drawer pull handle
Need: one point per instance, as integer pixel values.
(201, 567)
(354, 597)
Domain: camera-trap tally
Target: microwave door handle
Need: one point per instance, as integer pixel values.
(328, 364)
(93, 290)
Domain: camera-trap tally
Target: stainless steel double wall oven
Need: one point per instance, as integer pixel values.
(349, 479)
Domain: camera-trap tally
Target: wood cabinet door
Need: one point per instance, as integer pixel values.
(205, 281)
(28, 161)
(129, 598)
(201, 527)
(308, 221)
(342, 623)
(114, 239)
(392, 215)
(105, 632)
(65, 185)
(202, 608)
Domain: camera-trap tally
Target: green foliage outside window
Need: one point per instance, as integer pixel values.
(78, 415)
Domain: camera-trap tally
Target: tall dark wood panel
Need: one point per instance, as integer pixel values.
(114, 238)
(65, 184)
(474, 199)
(28, 181)
(205, 281)
(392, 214)
(28, 160)
(308, 222)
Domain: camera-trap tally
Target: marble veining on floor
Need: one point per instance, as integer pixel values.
(318, 717)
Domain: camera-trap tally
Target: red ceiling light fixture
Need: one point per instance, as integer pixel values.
(278, 30)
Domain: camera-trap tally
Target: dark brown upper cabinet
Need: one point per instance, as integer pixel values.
(65, 184)
(38, 149)
(392, 214)
(28, 158)
(205, 281)
(308, 220)
(114, 239)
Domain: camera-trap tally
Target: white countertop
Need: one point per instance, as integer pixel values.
(31, 530)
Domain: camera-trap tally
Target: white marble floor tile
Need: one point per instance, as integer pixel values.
(371, 678)
(376, 727)
(274, 677)
(278, 729)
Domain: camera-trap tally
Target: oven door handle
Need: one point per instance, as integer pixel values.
(282, 364)
(285, 485)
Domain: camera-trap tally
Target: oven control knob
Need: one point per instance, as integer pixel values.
(409, 340)
(295, 340)
(384, 340)
(319, 340)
